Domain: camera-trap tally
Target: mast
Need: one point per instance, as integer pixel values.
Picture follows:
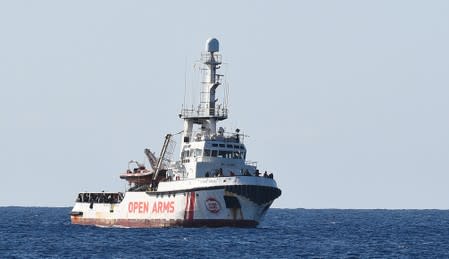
(208, 112)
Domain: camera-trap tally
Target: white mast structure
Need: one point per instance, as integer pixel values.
(208, 112)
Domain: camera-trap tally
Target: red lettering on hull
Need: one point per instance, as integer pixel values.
(163, 207)
(142, 207)
(138, 207)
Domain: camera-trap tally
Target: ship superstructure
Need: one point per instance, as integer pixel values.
(211, 185)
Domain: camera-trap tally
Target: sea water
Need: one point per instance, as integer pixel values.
(285, 233)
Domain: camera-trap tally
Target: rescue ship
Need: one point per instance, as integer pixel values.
(212, 184)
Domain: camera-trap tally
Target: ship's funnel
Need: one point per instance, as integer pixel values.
(212, 45)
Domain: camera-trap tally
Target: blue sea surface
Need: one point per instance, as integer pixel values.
(285, 233)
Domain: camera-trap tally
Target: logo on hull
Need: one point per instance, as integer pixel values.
(212, 205)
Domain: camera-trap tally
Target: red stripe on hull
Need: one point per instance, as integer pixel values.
(187, 206)
(190, 206)
(157, 223)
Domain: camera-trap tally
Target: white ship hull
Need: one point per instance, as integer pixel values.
(217, 201)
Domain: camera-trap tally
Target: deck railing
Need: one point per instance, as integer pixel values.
(204, 113)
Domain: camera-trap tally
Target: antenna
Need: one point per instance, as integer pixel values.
(185, 82)
(226, 86)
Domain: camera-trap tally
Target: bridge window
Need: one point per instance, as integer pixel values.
(185, 153)
(236, 155)
(222, 153)
(231, 154)
(197, 152)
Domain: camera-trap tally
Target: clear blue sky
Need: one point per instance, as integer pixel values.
(347, 102)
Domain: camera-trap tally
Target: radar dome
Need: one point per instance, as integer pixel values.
(212, 45)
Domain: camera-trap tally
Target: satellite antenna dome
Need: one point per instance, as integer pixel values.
(212, 45)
